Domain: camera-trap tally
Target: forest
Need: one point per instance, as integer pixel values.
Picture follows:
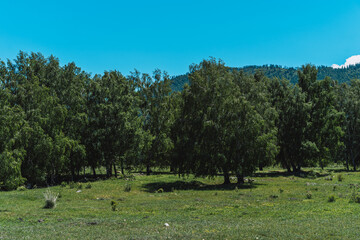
(290, 73)
(57, 121)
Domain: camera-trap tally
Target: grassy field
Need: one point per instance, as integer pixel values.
(274, 206)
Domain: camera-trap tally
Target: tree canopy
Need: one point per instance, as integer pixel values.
(57, 121)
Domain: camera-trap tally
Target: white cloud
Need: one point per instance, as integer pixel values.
(353, 60)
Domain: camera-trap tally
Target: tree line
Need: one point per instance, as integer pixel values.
(57, 121)
(342, 75)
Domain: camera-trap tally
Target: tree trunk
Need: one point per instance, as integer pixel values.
(148, 170)
(260, 167)
(226, 178)
(108, 171)
(122, 166)
(115, 170)
(240, 178)
(94, 172)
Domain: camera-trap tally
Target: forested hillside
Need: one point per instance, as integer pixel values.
(341, 75)
(57, 121)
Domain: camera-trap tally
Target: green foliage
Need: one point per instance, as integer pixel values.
(113, 205)
(127, 187)
(221, 121)
(308, 195)
(340, 177)
(331, 198)
(59, 121)
(21, 188)
(354, 198)
(343, 75)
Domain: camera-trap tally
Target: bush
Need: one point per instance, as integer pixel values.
(354, 198)
(308, 195)
(160, 190)
(63, 184)
(21, 188)
(79, 186)
(50, 199)
(331, 198)
(72, 185)
(88, 186)
(127, 187)
(113, 205)
(340, 177)
(281, 190)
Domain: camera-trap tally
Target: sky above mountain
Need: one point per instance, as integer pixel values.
(171, 35)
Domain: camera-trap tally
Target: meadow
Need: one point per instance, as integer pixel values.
(316, 204)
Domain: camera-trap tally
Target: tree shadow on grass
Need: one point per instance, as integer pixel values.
(194, 185)
(301, 174)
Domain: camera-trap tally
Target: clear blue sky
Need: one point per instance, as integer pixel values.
(170, 35)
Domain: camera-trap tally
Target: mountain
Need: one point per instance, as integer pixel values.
(271, 71)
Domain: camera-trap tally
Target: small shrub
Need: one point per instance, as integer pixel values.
(160, 190)
(329, 178)
(71, 185)
(281, 190)
(340, 177)
(308, 195)
(113, 205)
(88, 186)
(79, 186)
(354, 198)
(331, 198)
(127, 187)
(63, 184)
(357, 199)
(21, 188)
(50, 199)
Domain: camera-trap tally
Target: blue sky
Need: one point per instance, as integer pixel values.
(171, 35)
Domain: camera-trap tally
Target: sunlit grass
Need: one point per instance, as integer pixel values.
(274, 206)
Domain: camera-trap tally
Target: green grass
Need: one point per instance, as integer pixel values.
(275, 206)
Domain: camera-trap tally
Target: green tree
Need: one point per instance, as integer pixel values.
(349, 102)
(220, 125)
(323, 131)
(12, 152)
(113, 120)
(157, 118)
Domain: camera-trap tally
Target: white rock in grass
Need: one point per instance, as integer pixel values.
(166, 225)
(78, 191)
